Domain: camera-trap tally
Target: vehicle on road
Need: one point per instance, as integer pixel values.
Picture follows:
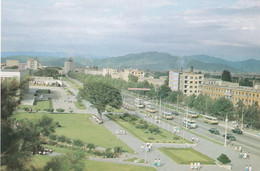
(192, 114)
(189, 123)
(214, 131)
(167, 115)
(230, 137)
(210, 119)
(150, 109)
(175, 113)
(139, 103)
(237, 131)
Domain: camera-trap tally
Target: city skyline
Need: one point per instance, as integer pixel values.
(228, 30)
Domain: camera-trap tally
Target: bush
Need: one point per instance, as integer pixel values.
(49, 110)
(26, 109)
(78, 143)
(224, 159)
(53, 137)
(151, 138)
(117, 149)
(154, 129)
(62, 138)
(90, 147)
(71, 111)
(60, 110)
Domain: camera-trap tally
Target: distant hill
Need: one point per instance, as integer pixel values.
(154, 61)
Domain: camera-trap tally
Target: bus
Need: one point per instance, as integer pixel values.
(192, 114)
(189, 123)
(150, 109)
(210, 119)
(167, 115)
(139, 103)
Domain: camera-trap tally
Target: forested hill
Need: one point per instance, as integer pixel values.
(155, 61)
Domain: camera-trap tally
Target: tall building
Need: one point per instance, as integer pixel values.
(232, 91)
(69, 66)
(186, 81)
(134, 72)
(33, 64)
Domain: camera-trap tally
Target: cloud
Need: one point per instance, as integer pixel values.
(117, 27)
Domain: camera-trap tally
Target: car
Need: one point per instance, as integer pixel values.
(175, 113)
(230, 137)
(237, 131)
(214, 131)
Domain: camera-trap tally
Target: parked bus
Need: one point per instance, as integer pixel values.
(150, 109)
(192, 114)
(189, 122)
(210, 119)
(167, 115)
(139, 103)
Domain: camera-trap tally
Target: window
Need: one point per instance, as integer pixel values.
(190, 86)
(190, 91)
(200, 77)
(196, 82)
(191, 82)
(191, 77)
(199, 82)
(196, 78)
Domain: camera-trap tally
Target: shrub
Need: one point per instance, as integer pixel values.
(53, 137)
(60, 110)
(151, 138)
(224, 159)
(90, 147)
(71, 111)
(154, 129)
(62, 138)
(26, 109)
(78, 143)
(117, 149)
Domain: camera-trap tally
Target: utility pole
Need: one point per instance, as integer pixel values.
(187, 117)
(225, 144)
(242, 118)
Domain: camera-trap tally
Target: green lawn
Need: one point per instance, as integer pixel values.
(78, 126)
(40, 105)
(80, 105)
(186, 156)
(103, 166)
(145, 135)
(72, 83)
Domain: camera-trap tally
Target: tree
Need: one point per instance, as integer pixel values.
(245, 82)
(19, 138)
(100, 94)
(190, 101)
(223, 107)
(132, 78)
(163, 91)
(224, 159)
(175, 96)
(226, 76)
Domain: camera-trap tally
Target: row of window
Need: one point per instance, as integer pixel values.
(234, 92)
(191, 77)
(186, 86)
(186, 91)
(191, 82)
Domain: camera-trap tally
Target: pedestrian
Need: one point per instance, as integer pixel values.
(198, 165)
(191, 166)
(240, 155)
(245, 156)
(247, 168)
(155, 162)
(248, 155)
(240, 148)
(235, 148)
(250, 168)
(195, 166)
(159, 163)
(149, 148)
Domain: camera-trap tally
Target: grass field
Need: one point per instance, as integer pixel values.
(146, 136)
(80, 105)
(186, 156)
(103, 166)
(72, 83)
(78, 126)
(40, 105)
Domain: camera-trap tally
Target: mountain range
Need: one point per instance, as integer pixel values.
(154, 61)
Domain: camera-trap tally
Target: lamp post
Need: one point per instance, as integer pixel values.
(242, 118)
(226, 120)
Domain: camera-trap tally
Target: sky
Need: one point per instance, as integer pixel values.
(228, 29)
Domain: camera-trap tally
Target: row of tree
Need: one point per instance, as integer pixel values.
(48, 72)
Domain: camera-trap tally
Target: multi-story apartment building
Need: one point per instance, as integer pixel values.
(69, 66)
(134, 72)
(232, 91)
(187, 82)
(33, 64)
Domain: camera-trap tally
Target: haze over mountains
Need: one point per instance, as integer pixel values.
(157, 61)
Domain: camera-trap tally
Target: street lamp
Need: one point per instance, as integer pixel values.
(226, 120)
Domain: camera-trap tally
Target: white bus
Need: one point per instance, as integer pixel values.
(192, 114)
(210, 119)
(167, 115)
(150, 109)
(139, 103)
(189, 123)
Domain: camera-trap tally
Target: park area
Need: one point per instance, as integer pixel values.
(40, 105)
(186, 155)
(80, 105)
(79, 126)
(145, 131)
